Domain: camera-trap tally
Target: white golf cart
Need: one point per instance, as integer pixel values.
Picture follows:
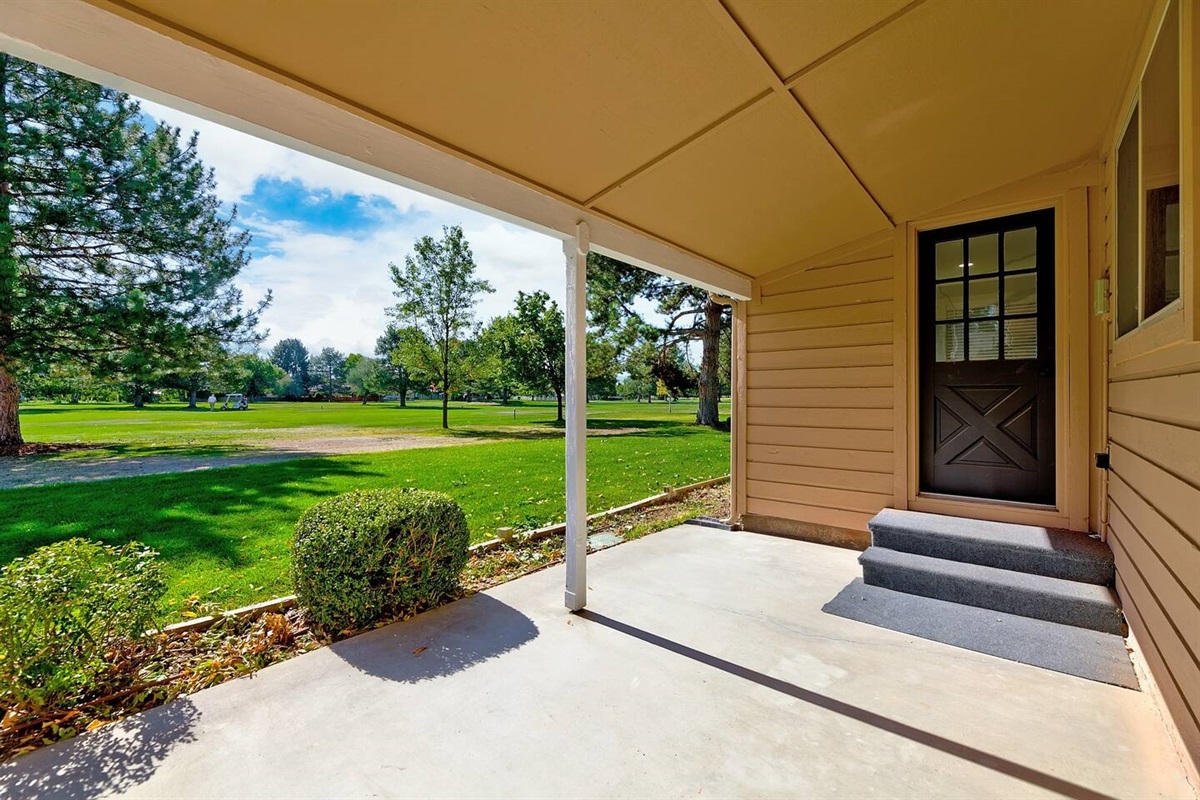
(236, 402)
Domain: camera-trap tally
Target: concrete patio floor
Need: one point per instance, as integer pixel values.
(704, 667)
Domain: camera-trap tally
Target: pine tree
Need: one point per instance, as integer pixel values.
(114, 250)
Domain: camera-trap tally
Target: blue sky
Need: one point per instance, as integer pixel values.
(324, 234)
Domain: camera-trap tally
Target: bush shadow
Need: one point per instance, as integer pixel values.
(440, 642)
(110, 760)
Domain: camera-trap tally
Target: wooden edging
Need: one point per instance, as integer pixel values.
(537, 534)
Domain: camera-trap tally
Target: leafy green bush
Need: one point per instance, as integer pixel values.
(61, 608)
(365, 555)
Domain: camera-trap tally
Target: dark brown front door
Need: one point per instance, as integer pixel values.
(986, 355)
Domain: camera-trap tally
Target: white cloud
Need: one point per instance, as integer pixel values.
(333, 290)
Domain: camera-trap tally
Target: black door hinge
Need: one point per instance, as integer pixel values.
(1102, 461)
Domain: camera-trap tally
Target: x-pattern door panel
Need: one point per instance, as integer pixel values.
(986, 332)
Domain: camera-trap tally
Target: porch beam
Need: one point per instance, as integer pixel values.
(576, 249)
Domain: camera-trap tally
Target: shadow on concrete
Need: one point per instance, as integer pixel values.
(110, 760)
(949, 746)
(440, 642)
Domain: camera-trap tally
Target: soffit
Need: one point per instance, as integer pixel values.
(569, 95)
(953, 99)
(769, 171)
(754, 134)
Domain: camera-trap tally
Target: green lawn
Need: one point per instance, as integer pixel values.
(224, 534)
(173, 428)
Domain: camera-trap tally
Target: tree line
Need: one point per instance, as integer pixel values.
(117, 270)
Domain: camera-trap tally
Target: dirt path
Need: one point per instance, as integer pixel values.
(24, 471)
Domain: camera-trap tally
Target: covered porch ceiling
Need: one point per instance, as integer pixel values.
(716, 140)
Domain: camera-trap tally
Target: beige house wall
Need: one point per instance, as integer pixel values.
(1152, 400)
(819, 391)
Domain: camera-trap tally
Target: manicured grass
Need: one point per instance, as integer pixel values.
(172, 427)
(223, 534)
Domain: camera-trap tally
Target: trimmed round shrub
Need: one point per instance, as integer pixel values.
(366, 555)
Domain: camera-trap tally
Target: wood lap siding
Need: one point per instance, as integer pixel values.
(1154, 529)
(1153, 507)
(819, 352)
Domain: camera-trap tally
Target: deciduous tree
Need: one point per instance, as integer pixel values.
(292, 357)
(438, 292)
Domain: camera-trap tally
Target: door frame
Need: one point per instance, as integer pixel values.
(1072, 292)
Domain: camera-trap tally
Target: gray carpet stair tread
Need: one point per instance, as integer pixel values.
(1075, 651)
(1052, 599)
(1026, 548)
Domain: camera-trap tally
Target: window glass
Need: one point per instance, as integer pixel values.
(1020, 249)
(948, 259)
(1160, 167)
(948, 343)
(1020, 339)
(1127, 227)
(1020, 293)
(949, 303)
(985, 297)
(984, 340)
(982, 254)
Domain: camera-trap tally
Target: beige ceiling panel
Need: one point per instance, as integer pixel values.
(792, 35)
(761, 192)
(956, 98)
(570, 95)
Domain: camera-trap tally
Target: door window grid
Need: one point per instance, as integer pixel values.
(975, 290)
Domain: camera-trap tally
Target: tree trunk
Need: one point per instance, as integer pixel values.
(708, 410)
(445, 408)
(403, 397)
(558, 396)
(10, 393)
(192, 400)
(10, 411)
(138, 399)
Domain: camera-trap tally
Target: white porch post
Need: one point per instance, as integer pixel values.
(576, 250)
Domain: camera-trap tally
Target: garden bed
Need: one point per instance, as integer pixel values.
(160, 667)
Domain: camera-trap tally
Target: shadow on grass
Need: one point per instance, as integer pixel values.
(439, 642)
(176, 514)
(111, 760)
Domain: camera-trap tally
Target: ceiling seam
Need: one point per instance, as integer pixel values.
(795, 77)
(753, 51)
(788, 82)
(666, 155)
(405, 129)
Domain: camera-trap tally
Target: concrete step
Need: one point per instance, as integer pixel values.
(1064, 648)
(1084, 605)
(1023, 548)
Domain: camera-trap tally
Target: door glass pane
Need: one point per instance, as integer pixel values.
(983, 254)
(949, 303)
(948, 259)
(985, 340)
(1020, 339)
(1020, 294)
(948, 343)
(985, 297)
(1020, 249)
